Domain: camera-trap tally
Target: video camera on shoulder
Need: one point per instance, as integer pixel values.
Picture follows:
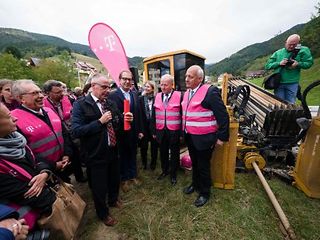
(293, 55)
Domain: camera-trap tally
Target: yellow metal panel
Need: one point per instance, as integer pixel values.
(223, 161)
(307, 170)
(168, 54)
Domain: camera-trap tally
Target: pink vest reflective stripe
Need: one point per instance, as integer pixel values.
(66, 106)
(170, 115)
(196, 119)
(41, 139)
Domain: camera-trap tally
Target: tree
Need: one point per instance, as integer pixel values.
(14, 51)
(12, 68)
(56, 70)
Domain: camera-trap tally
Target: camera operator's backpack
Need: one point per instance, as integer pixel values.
(272, 81)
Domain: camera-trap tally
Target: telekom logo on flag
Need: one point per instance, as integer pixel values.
(107, 46)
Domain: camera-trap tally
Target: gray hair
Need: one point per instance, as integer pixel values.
(95, 78)
(294, 36)
(18, 87)
(168, 76)
(200, 72)
(48, 85)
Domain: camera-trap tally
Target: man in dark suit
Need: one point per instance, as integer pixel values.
(95, 120)
(127, 138)
(206, 124)
(167, 118)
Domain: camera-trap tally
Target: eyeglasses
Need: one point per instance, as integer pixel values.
(34, 93)
(104, 87)
(126, 79)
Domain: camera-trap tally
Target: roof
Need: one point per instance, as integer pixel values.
(34, 61)
(173, 53)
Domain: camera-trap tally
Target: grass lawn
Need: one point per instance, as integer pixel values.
(157, 210)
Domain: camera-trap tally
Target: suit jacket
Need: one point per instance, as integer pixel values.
(174, 136)
(213, 102)
(92, 133)
(118, 97)
(145, 123)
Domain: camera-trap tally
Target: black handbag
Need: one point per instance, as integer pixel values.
(272, 81)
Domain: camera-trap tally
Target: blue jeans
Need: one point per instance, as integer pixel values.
(287, 92)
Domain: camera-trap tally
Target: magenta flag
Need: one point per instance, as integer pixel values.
(107, 46)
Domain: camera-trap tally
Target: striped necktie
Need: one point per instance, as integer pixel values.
(111, 132)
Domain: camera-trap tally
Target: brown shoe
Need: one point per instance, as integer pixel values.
(117, 204)
(125, 186)
(109, 221)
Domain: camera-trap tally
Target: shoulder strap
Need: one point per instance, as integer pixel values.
(14, 170)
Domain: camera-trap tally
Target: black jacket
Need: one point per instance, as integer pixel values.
(12, 188)
(118, 97)
(93, 135)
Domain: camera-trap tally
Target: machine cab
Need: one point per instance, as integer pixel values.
(175, 63)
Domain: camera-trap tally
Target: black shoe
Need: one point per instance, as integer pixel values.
(200, 201)
(188, 190)
(173, 181)
(162, 176)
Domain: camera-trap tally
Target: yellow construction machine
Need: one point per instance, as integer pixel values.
(265, 132)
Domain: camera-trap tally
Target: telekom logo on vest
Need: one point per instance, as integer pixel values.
(30, 129)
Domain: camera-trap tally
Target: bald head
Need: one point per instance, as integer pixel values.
(292, 41)
(194, 76)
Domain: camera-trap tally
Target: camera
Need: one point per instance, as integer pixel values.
(294, 54)
(289, 62)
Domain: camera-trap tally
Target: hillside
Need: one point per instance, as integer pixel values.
(38, 44)
(248, 54)
(43, 46)
(249, 58)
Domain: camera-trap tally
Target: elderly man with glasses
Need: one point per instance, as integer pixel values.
(95, 120)
(40, 125)
(61, 105)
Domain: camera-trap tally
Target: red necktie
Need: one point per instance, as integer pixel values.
(111, 132)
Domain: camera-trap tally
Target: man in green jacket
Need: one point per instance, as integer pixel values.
(290, 60)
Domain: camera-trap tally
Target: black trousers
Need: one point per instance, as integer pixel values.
(144, 144)
(169, 161)
(76, 161)
(201, 174)
(104, 182)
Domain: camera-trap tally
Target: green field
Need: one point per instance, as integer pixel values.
(307, 77)
(156, 210)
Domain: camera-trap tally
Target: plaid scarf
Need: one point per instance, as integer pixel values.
(13, 146)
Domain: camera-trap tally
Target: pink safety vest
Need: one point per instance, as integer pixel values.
(196, 119)
(66, 107)
(41, 139)
(170, 115)
(30, 215)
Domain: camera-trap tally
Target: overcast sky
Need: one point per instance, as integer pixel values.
(213, 28)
